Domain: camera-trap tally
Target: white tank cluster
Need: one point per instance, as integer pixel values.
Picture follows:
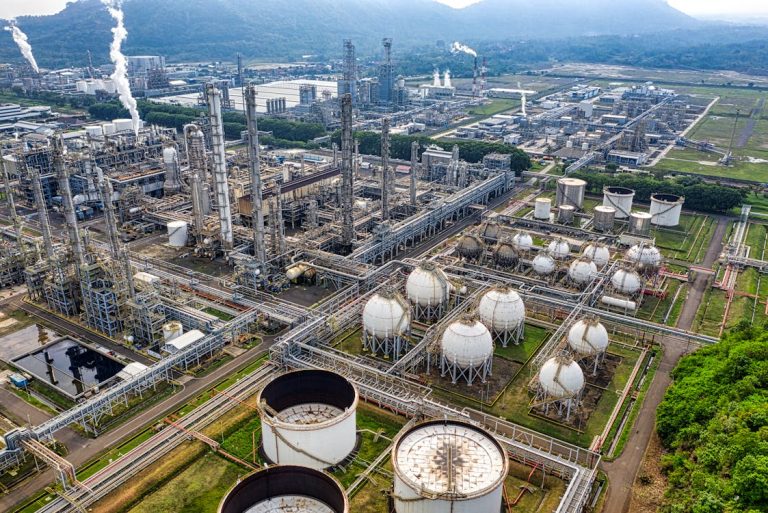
(559, 249)
(428, 290)
(308, 418)
(470, 247)
(582, 271)
(598, 253)
(666, 209)
(466, 351)
(522, 241)
(502, 311)
(386, 324)
(626, 281)
(560, 383)
(445, 466)
(619, 198)
(645, 256)
(543, 264)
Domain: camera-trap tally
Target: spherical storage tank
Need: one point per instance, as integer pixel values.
(561, 377)
(308, 418)
(598, 253)
(177, 234)
(469, 246)
(626, 281)
(581, 271)
(644, 256)
(505, 255)
(542, 208)
(427, 285)
(588, 337)
(501, 309)
(543, 264)
(286, 489)
(522, 241)
(466, 342)
(666, 209)
(386, 315)
(559, 249)
(620, 198)
(448, 467)
(604, 218)
(570, 191)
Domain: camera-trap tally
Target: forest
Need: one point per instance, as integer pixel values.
(713, 422)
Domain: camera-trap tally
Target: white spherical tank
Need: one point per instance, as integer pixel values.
(522, 241)
(588, 337)
(559, 249)
(427, 285)
(542, 208)
(598, 253)
(561, 377)
(644, 256)
(466, 342)
(543, 265)
(626, 281)
(172, 330)
(386, 315)
(570, 191)
(308, 418)
(177, 234)
(501, 309)
(448, 467)
(666, 209)
(619, 198)
(582, 271)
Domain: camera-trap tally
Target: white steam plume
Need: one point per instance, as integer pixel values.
(20, 38)
(457, 47)
(120, 75)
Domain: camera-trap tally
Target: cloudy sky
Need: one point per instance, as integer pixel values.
(709, 8)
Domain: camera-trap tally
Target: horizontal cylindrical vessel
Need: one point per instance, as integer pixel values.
(448, 467)
(666, 209)
(308, 418)
(619, 198)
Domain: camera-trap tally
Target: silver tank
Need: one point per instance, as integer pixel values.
(604, 218)
(570, 191)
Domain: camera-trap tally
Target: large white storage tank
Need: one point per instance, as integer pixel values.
(626, 281)
(542, 208)
(94, 131)
(644, 256)
(466, 350)
(286, 489)
(582, 271)
(502, 311)
(640, 223)
(588, 337)
(570, 191)
(177, 234)
(543, 265)
(598, 253)
(172, 330)
(308, 418)
(666, 209)
(386, 324)
(561, 378)
(448, 467)
(559, 249)
(619, 198)
(428, 290)
(123, 125)
(522, 241)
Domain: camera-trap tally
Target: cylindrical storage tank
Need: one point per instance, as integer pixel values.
(559, 249)
(123, 125)
(588, 337)
(286, 488)
(427, 285)
(172, 330)
(522, 241)
(666, 209)
(582, 271)
(94, 131)
(466, 342)
(177, 234)
(626, 281)
(644, 256)
(108, 128)
(542, 208)
(109, 86)
(640, 223)
(81, 86)
(619, 198)
(505, 254)
(169, 155)
(386, 315)
(543, 265)
(443, 466)
(501, 309)
(561, 377)
(470, 246)
(598, 253)
(308, 418)
(566, 214)
(604, 218)
(570, 191)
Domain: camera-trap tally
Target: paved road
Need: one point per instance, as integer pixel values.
(746, 132)
(622, 471)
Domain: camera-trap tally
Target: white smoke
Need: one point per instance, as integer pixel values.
(457, 47)
(120, 75)
(20, 38)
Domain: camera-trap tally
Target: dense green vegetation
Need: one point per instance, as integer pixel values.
(698, 195)
(714, 422)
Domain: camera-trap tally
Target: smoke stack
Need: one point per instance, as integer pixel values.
(436, 78)
(483, 71)
(474, 79)
(447, 79)
(385, 169)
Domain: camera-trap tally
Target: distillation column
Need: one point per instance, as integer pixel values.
(257, 208)
(347, 224)
(69, 209)
(220, 177)
(197, 166)
(42, 213)
(385, 169)
(17, 230)
(414, 168)
(118, 250)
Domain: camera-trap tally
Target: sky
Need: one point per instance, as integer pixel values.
(704, 8)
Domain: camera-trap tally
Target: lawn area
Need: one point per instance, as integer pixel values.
(533, 337)
(685, 241)
(710, 314)
(757, 200)
(741, 170)
(496, 106)
(655, 309)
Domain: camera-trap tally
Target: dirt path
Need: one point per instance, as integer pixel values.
(622, 471)
(746, 132)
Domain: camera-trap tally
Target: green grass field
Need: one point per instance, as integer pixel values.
(495, 107)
